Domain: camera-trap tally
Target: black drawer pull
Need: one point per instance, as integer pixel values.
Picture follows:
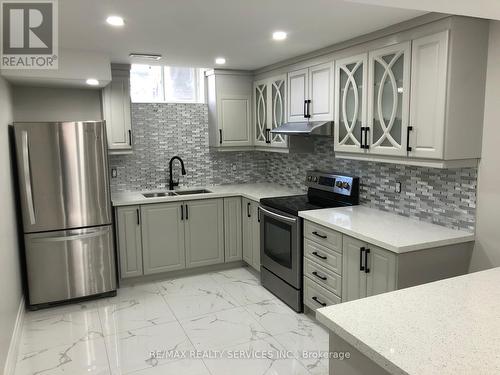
(130, 137)
(220, 136)
(182, 212)
(138, 217)
(248, 210)
(315, 299)
(320, 235)
(315, 253)
(361, 251)
(324, 278)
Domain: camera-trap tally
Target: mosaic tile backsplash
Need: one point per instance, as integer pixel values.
(445, 197)
(165, 130)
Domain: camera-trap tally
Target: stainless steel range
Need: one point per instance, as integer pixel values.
(281, 248)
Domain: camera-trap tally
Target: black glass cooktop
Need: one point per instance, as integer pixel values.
(294, 203)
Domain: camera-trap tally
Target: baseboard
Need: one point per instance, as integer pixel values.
(10, 363)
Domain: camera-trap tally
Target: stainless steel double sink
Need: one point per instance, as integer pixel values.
(175, 193)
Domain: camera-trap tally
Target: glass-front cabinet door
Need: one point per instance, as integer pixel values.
(388, 99)
(261, 112)
(278, 110)
(270, 111)
(350, 103)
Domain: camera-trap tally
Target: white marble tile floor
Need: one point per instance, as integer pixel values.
(210, 324)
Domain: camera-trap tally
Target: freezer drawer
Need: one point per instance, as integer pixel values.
(70, 264)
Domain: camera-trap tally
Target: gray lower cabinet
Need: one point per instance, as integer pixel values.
(251, 232)
(204, 221)
(367, 270)
(233, 242)
(129, 241)
(162, 237)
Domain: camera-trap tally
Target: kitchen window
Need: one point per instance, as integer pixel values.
(166, 84)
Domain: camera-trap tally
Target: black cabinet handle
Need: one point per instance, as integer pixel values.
(367, 270)
(268, 136)
(315, 299)
(408, 147)
(182, 212)
(315, 253)
(130, 137)
(248, 210)
(220, 136)
(361, 251)
(319, 235)
(138, 216)
(258, 214)
(308, 106)
(367, 129)
(187, 212)
(319, 276)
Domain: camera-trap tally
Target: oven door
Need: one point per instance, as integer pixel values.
(280, 245)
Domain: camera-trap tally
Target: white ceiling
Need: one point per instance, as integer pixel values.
(194, 32)
(474, 8)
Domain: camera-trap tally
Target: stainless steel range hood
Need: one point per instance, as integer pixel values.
(317, 128)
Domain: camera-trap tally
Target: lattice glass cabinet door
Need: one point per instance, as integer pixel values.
(350, 103)
(261, 114)
(278, 110)
(388, 99)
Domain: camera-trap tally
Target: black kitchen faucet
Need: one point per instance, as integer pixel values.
(171, 182)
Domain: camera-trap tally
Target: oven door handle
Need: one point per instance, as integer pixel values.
(278, 217)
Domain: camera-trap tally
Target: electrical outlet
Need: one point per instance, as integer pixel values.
(398, 187)
(114, 173)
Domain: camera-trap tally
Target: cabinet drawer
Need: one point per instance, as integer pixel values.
(323, 236)
(322, 276)
(323, 256)
(315, 296)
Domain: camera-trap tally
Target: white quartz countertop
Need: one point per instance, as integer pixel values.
(390, 231)
(450, 326)
(254, 192)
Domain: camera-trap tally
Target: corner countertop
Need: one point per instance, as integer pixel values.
(450, 326)
(253, 192)
(393, 232)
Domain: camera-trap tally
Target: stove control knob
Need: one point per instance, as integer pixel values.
(309, 178)
(315, 179)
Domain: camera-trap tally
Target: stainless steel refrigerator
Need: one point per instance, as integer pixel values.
(66, 209)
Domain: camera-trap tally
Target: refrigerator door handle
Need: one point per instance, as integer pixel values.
(92, 234)
(27, 177)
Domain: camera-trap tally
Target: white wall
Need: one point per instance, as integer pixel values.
(487, 248)
(10, 276)
(56, 104)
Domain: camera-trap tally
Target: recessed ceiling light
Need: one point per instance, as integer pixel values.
(92, 82)
(279, 35)
(220, 60)
(115, 21)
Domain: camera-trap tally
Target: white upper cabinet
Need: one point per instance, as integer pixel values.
(428, 96)
(310, 94)
(388, 99)
(419, 101)
(261, 105)
(350, 103)
(229, 96)
(116, 111)
(298, 82)
(321, 92)
(270, 111)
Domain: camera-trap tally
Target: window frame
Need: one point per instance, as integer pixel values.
(199, 82)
